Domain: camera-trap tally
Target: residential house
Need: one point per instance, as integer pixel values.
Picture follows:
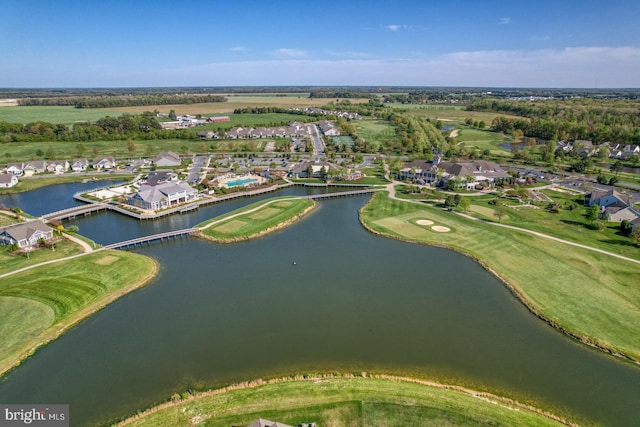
(327, 128)
(605, 198)
(79, 165)
(155, 197)
(206, 134)
(302, 169)
(616, 213)
(58, 166)
(25, 234)
(8, 180)
(15, 168)
(104, 163)
(469, 174)
(34, 166)
(167, 159)
(422, 171)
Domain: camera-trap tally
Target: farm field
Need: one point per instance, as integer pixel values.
(345, 402)
(448, 112)
(607, 312)
(56, 115)
(255, 120)
(37, 305)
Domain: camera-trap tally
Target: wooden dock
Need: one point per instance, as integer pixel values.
(187, 232)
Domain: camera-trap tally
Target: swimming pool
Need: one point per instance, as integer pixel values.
(239, 182)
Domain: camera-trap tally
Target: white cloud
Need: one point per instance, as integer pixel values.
(397, 27)
(289, 53)
(238, 49)
(504, 21)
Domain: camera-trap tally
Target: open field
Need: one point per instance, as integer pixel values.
(342, 402)
(483, 139)
(39, 304)
(376, 131)
(255, 220)
(449, 112)
(589, 295)
(239, 101)
(57, 115)
(255, 120)
(63, 248)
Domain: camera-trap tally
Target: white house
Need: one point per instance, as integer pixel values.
(58, 166)
(15, 168)
(162, 196)
(7, 180)
(104, 163)
(25, 234)
(79, 165)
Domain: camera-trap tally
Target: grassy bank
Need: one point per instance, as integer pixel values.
(39, 304)
(342, 402)
(39, 181)
(256, 219)
(592, 296)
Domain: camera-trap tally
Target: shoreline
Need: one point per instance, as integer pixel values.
(54, 331)
(319, 378)
(512, 289)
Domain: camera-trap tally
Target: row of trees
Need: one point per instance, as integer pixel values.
(120, 101)
(596, 120)
(141, 126)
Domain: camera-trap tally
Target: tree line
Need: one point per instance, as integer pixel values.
(597, 120)
(141, 127)
(120, 101)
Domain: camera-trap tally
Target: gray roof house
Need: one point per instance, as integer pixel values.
(58, 166)
(15, 168)
(168, 158)
(25, 234)
(104, 163)
(7, 180)
(155, 197)
(35, 166)
(79, 165)
(605, 199)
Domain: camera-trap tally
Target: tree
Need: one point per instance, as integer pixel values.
(310, 171)
(593, 213)
(635, 235)
(499, 212)
(464, 204)
(131, 146)
(50, 154)
(173, 115)
(80, 148)
(617, 167)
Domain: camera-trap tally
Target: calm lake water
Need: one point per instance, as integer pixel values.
(218, 314)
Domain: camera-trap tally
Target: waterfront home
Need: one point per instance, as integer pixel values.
(34, 166)
(58, 166)
(8, 180)
(469, 174)
(167, 159)
(165, 195)
(79, 165)
(421, 171)
(15, 168)
(303, 169)
(104, 163)
(25, 234)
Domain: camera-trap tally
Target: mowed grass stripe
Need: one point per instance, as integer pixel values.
(255, 220)
(592, 295)
(70, 291)
(343, 402)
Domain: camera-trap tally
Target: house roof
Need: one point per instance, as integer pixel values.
(597, 195)
(156, 193)
(169, 155)
(25, 230)
(266, 423)
(36, 164)
(6, 178)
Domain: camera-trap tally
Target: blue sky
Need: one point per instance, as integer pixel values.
(128, 43)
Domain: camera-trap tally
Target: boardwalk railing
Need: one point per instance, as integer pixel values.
(343, 194)
(152, 238)
(75, 211)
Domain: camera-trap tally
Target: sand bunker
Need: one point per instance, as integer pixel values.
(440, 229)
(424, 222)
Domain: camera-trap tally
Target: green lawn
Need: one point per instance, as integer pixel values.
(483, 140)
(375, 131)
(57, 115)
(256, 120)
(343, 402)
(62, 248)
(256, 219)
(594, 296)
(565, 224)
(39, 304)
(456, 114)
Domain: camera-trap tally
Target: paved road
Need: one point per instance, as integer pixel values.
(316, 138)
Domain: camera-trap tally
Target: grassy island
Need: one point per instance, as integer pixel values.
(39, 304)
(255, 220)
(589, 295)
(342, 402)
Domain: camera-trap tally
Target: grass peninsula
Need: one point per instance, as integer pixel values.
(39, 304)
(586, 294)
(343, 401)
(256, 219)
